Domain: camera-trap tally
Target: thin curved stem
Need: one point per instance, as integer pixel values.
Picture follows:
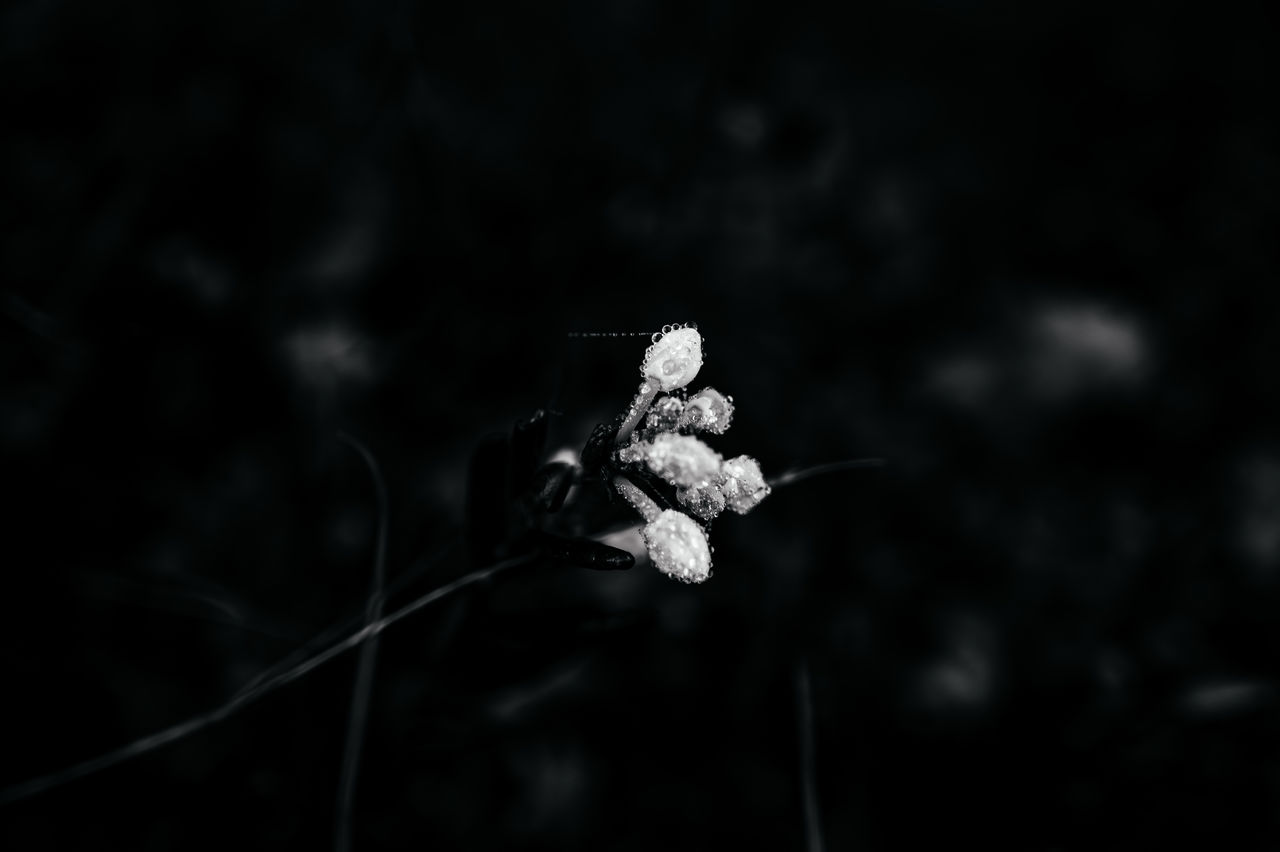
(331, 634)
(794, 476)
(808, 772)
(262, 687)
(368, 658)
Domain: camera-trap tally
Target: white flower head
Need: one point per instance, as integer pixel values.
(682, 460)
(674, 358)
(704, 483)
(707, 411)
(678, 546)
(743, 484)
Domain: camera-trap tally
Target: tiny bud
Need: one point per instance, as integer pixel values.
(663, 416)
(743, 484)
(707, 411)
(703, 503)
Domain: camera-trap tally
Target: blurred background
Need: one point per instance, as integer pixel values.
(1024, 253)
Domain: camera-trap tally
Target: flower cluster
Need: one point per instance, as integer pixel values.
(658, 441)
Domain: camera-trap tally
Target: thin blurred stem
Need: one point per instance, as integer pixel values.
(794, 476)
(262, 687)
(808, 773)
(330, 634)
(214, 608)
(368, 658)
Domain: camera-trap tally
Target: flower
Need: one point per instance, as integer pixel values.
(704, 502)
(704, 483)
(682, 460)
(743, 484)
(674, 358)
(663, 416)
(707, 411)
(678, 546)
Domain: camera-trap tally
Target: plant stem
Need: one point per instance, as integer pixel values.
(368, 659)
(639, 406)
(808, 772)
(792, 477)
(151, 742)
(639, 501)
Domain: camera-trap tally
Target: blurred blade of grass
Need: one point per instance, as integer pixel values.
(260, 687)
(368, 656)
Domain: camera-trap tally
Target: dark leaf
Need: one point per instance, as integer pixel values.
(528, 443)
(549, 486)
(583, 552)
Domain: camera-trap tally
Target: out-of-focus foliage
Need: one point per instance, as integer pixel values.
(1025, 254)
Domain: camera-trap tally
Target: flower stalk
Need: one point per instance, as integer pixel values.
(639, 406)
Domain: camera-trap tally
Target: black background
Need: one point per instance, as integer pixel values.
(1024, 252)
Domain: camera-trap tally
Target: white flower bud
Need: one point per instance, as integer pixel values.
(743, 484)
(678, 547)
(674, 360)
(707, 411)
(663, 416)
(703, 503)
(682, 460)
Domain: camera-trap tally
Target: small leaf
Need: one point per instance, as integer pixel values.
(549, 485)
(528, 441)
(583, 552)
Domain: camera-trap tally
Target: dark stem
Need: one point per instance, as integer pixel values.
(260, 687)
(794, 476)
(368, 658)
(808, 773)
